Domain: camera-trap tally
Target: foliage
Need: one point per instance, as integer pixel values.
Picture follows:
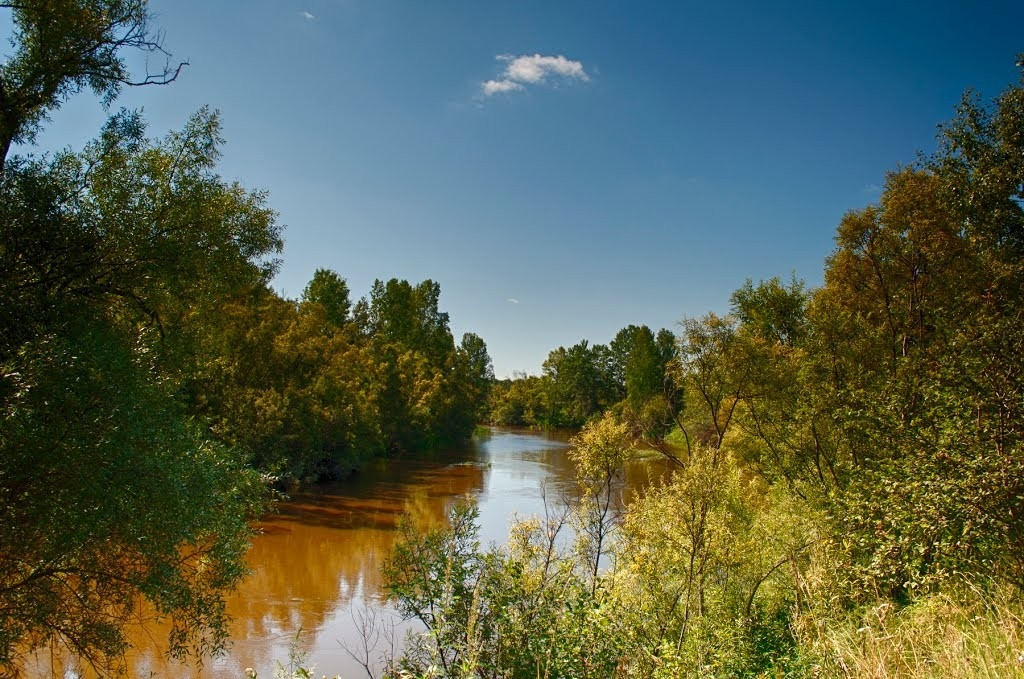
(599, 454)
(330, 291)
(580, 383)
(64, 46)
(147, 370)
(309, 395)
(705, 570)
(520, 611)
(520, 401)
(698, 582)
(110, 491)
(280, 381)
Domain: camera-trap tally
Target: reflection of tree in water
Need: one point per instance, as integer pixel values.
(321, 551)
(324, 548)
(643, 473)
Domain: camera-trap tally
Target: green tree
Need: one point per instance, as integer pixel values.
(645, 371)
(772, 311)
(428, 390)
(899, 397)
(520, 401)
(713, 376)
(432, 574)
(783, 431)
(399, 313)
(110, 494)
(62, 47)
(619, 350)
(479, 373)
(517, 611)
(580, 383)
(110, 491)
(600, 452)
(330, 291)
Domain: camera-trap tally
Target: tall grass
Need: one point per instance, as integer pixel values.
(938, 636)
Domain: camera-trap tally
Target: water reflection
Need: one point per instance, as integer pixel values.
(316, 561)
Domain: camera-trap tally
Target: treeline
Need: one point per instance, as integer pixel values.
(315, 387)
(849, 471)
(151, 382)
(581, 382)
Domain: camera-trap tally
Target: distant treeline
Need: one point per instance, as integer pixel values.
(581, 382)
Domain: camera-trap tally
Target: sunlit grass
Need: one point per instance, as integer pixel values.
(938, 636)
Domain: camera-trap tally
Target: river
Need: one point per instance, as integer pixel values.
(315, 561)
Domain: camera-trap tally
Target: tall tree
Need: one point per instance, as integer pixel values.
(330, 291)
(581, 383)
(108, 490)
(479, 372)
(397, 312)
(62, 47)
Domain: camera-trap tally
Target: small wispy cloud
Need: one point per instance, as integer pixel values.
(497, 86)
(308, 16)
(512, 300)
(871, 189)
(533, 69)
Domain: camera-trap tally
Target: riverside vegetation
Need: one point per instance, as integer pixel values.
(152, 384)
(848, 490)
(848, 494)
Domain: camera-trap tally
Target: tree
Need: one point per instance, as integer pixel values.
(65, 46)
(581, 383)
(399, 313)
(712, 375)
(772, 311)
(109, 491)
(600, 453)
(644, 370)
(428, 390)
(111, 497)
(330, 291)
(479, 372)
(619, 350)
(431, 575)
(929, 283)
(782, 430)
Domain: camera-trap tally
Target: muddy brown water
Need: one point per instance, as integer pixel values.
(315, 564)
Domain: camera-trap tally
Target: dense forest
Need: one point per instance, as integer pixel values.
(847, 493)
(152, 384)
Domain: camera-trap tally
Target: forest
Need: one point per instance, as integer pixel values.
(847, 494)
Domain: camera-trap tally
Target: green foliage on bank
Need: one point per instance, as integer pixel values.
(580, 383)
(309, 390)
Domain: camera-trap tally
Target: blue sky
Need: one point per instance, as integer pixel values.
(629, 162)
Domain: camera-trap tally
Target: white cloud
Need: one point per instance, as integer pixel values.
(513, 300)
(536, 68)
(495, 86)
(533, 70)
(306, 15)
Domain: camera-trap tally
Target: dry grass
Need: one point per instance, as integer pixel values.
(936, 637)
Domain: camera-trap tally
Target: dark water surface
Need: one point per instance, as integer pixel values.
(315, 563)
